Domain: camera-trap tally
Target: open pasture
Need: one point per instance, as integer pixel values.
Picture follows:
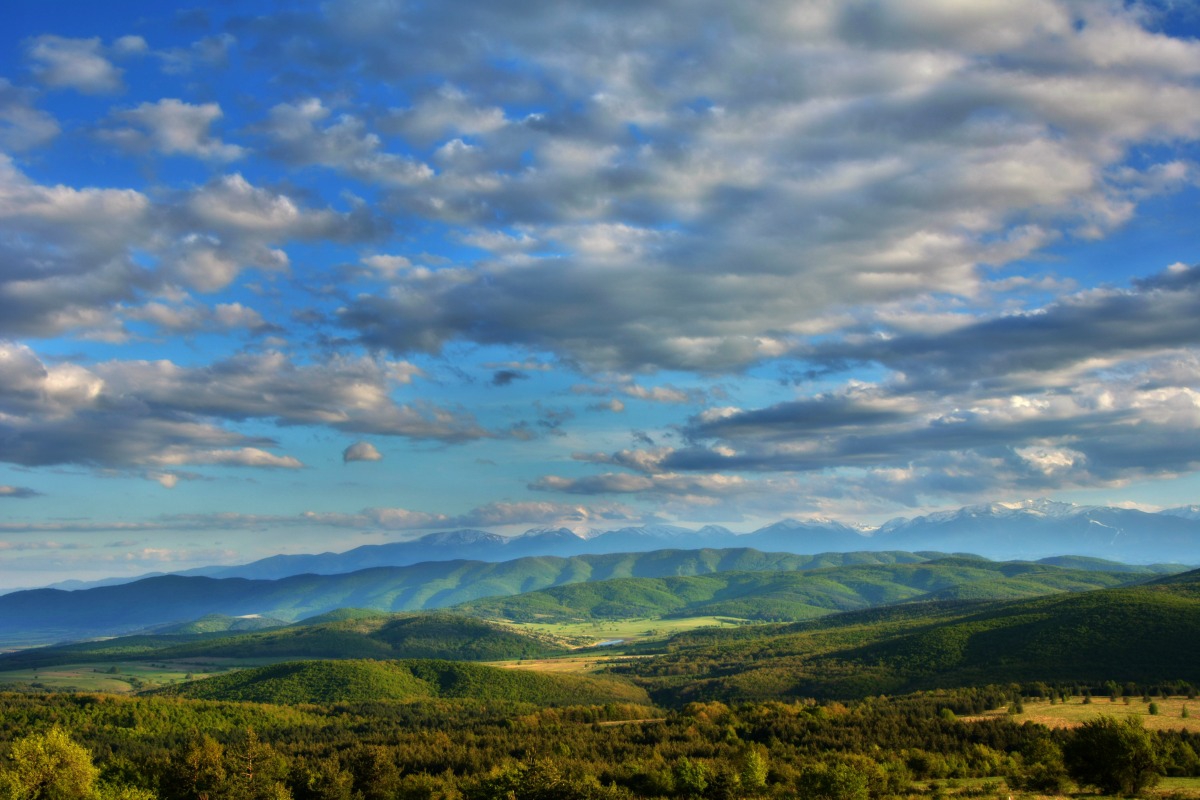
(122, 677)
(623, 631)
(1075, 712)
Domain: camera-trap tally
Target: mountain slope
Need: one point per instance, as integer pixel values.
(55, 615)
(1146, 634)
(1029, 529)
(792, 595)
(347, 633)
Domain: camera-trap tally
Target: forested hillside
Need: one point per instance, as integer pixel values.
(794, 595)
(48, 615)
(1142, 634)
(357, 681)
(345, 634)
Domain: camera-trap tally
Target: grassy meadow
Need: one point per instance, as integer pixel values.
(628, 631)
(1075, 712)
(124, 677)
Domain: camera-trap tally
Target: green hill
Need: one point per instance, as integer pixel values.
(1142, 633)
(52, 615)
(1145, 634)
(222, 623)
(767, 596)
(354, 634)
(326, 682)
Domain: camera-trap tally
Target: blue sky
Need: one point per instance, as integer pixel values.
(291, 277)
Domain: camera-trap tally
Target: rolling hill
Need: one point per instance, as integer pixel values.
(345, 634)
(49, 615)
(1146, 633)
(356, 681)
(792, 595)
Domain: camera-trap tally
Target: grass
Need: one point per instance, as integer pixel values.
(586, 635)
(128, 677)
(629, 631)
(1075, 712)
(133, 676)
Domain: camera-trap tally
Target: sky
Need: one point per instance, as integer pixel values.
(300, 276)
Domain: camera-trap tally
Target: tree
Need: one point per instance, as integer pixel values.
(258, 771)
(835, 781)
(1116, 756)
(752, 769)
(691, 777)
(201, 773)
(1039, 768)
(49, 766)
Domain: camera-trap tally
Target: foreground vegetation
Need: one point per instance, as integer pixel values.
(175, 748)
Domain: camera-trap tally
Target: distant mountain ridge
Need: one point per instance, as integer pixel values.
(1028, 529)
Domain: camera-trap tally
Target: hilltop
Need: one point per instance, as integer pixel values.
(359, 681)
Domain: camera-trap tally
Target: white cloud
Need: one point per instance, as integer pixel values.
(80, 64)
(235, 457)
(361, 451)
(172, 127)
(939, 138)
(22, 126)
(299, 135)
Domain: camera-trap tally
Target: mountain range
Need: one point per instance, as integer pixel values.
(754, 585)
(1030, 529)
(45, 615)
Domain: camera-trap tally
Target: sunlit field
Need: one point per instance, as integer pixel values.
(627, 631)
(1075, 712)
(125, 677)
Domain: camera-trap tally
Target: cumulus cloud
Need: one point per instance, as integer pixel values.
(1097, 387)
(361, 451)
(66, 414)
(936, 141)
(125, 414)
(80, 64)
(22, 125)
(190, 317)
(848, 206)
(300, 135)
(172, 127)
(1044, 346)
(75, 259)
(1094, 389)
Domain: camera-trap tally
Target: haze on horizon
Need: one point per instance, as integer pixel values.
(292, 277)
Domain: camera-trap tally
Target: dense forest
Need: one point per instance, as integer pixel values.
(438, 748)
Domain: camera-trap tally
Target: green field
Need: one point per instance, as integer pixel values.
(129, 676)
(629, 631)
(123, 677)
(1075, 712)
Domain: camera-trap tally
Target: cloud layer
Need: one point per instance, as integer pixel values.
(696, 261)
